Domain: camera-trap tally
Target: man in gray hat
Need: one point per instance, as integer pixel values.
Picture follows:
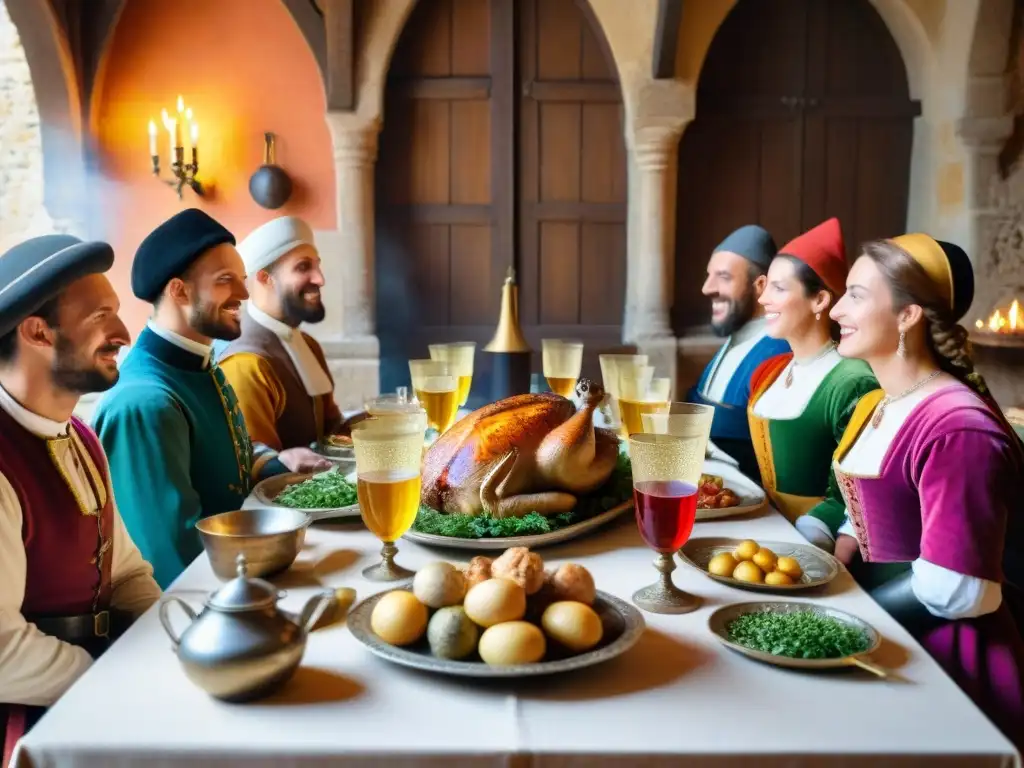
(70, 574)
(737, 275)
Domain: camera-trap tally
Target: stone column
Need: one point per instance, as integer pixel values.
(651, 266)
(348, 332)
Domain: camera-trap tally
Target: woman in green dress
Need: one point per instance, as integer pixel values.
(801, 401)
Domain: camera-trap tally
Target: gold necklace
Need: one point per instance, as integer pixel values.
(880, 410)
(789, 374)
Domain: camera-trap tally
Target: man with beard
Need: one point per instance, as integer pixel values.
(71, 577)
(737, 274)
(278, 372)
(178, 445)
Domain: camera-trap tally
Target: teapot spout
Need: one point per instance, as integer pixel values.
(315, 608)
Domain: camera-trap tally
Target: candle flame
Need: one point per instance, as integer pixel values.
(181, 104)
(195, 133)
(188, 113)
(1012, 321)
(164, 117)
(152, 128)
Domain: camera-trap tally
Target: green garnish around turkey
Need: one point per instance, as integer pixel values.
(798, 635)
(326, 490)
(617, 489)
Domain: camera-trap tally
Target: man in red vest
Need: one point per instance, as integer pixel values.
(70, 576)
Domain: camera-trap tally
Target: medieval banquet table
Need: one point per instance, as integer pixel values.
(676, 698)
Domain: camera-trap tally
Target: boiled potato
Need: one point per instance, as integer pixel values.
(765, 559)
(746, 549)
(790, 567)
(778, 579)
(495, 601)
(748, 571)
(399, 618)
(722, 564)
(512, 642)
(575, 625)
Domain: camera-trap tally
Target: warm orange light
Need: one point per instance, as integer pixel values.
(1011, 322)
(181, 104)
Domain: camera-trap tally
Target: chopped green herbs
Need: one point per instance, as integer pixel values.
(798, 635)
(327, 490)
(617, 489)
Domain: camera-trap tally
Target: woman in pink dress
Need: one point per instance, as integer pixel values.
(931, 473)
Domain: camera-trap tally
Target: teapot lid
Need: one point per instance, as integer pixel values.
(243, 593)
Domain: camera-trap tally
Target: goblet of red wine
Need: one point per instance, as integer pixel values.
(665, 499)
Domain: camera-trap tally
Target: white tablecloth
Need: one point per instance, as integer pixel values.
(677, 698)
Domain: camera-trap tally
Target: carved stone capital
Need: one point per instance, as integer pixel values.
(984, 134)
(654, 147)
(355, 139)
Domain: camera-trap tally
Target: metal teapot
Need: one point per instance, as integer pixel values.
(242, 646)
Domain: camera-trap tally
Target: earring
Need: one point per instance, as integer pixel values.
(901, 350)
(817, 315)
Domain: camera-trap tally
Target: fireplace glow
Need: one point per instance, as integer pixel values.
(998, 322)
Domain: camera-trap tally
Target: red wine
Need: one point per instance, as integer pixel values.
(665, 511)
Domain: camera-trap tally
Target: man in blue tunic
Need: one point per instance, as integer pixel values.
(737, 274)
(178, 446)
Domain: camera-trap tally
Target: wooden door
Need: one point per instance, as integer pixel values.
(803, 112)
(502, 146)
(572, 182)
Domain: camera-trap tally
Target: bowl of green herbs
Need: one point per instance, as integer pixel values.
(483, 532)
(321, 495)
(798, 635)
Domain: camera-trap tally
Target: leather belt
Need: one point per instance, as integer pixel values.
(83, 629)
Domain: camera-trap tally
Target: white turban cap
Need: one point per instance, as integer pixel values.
(269, 242)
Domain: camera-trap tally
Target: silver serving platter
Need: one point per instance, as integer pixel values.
(267, 491)
(819, 567)
(623, 625)
(533, 541)
(720, 620)
(752, 496)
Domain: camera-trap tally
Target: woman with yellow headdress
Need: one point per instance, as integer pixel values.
(930, 472)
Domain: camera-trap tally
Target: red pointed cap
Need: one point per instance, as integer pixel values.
(823, 251)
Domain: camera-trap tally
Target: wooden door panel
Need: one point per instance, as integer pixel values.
(473, 298)
(471, 21)
(559, 278)
(470, 143)
(559, 152)
(602, 155)
(602, 273)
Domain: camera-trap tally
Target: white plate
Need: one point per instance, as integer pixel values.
(266, 491)
(752, 496)
(532, 542)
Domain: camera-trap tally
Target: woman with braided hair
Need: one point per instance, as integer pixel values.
(930, 473)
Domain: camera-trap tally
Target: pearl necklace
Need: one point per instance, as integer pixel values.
(792, 366)
(880, 410)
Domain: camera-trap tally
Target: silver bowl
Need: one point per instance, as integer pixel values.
(270, 538)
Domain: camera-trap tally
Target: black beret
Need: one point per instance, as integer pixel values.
(38, 270)
(963, 277)
(171, 248)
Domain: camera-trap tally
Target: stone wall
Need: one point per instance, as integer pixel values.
(21, 151)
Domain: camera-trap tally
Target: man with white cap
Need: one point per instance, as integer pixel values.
(278, 372)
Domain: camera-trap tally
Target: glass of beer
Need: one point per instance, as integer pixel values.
(388, 453)
(439, 396)
(421, 370)
(563, 361)
(611, 365)
(459, 356)
(636, 397)
(666, 471)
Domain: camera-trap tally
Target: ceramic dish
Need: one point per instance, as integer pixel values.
(623, 625)
(720, 620)
(752, 496)
(818, 566)
(532, 541)
(267, 491)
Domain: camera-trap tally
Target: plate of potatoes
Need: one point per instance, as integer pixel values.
(768, 566)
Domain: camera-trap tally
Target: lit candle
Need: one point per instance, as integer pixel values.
(172, 129)
(194, 130)
(177, 134)
(181, 104)
(152, 138)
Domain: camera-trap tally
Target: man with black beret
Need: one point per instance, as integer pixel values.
(737, 275)
(178, 445)
(67, 564)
